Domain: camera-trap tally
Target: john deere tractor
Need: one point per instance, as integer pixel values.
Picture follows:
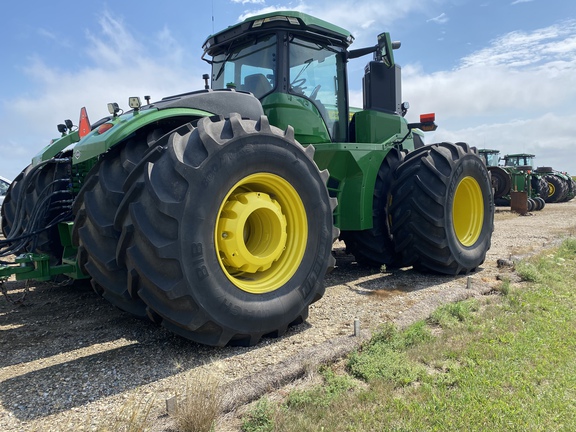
(213, 213)
(515, 175)
(561, 186)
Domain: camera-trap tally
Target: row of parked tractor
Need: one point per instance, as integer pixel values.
(514, 174)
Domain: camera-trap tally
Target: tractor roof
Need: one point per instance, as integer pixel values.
(519, 155)
(488, 151)
(291, 20)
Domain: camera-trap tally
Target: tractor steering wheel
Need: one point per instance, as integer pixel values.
(315, 92)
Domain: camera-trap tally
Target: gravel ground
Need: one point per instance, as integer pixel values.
(70, 359)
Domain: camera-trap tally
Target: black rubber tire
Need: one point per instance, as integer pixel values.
(501, 181)
(569, 190)
(49, 187)
(94, 233)
(10, 210)
(170, 214)
(502, 202)
(374, 247)
(544, 169)
(540, 186)
(427, 186)
(531, 205)
(541, 202)
(572, 192)
(56, 177)
(558, 188)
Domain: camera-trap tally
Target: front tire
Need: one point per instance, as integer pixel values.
(228, 234)
(442, 209)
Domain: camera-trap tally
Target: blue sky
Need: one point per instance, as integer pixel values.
(497, 73)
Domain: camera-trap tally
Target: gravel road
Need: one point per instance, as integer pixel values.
(70, 359)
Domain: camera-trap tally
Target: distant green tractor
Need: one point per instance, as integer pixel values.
(516, 175)
(561, 186)
(213, 213)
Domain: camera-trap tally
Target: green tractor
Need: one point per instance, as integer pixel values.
(561, 187)
(213, 213)
(516, 175)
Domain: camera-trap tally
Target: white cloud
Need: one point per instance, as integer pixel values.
(46, 34)
(122, 65)
(520, 1)
(522, 49)
(53, 37)
(357, 18)
(548, 136)
(440, 19)
(517, 94)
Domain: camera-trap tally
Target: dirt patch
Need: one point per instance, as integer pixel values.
(69, 358)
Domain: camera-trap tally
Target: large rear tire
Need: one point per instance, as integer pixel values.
(442, 209)
(36, 201)
(501, 181)
(558, 188)
(12, 215)
(540, 185)
(570, 190)
(94, 232)
(375, 246)
(228, 234)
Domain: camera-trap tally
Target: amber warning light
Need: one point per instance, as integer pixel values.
(427, 118)
(426, 123)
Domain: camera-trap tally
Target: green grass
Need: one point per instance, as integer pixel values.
(505, 362)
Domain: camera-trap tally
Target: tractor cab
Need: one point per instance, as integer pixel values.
(490, 156)
(521, 160)
(295, 65)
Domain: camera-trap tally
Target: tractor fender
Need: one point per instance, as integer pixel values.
(55, 147)
(353, 170)
(96, 143)
(183, 108)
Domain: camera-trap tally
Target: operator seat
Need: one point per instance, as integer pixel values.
(257, 84)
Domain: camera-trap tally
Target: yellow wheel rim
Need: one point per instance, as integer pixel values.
(261, 233)
(551, 189)
(468, 211)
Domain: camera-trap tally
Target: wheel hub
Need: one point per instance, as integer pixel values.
(252, 232)
(468, 211)
(261, 233)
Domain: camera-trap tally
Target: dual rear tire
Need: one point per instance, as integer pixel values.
(442, 210)
(223, 232)
(38, 198)
(433, 210)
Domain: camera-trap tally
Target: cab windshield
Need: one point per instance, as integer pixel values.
(250, 67)
(491, 159)
(315, 72)
(520, 161)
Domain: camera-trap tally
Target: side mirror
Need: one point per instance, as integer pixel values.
(384, 49)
